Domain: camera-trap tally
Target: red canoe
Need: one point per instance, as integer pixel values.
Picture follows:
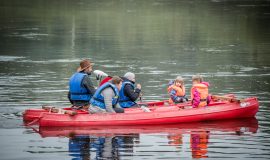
(244, 125)
(33, 114)
(158, 115)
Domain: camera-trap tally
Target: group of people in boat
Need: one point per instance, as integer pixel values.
(199, 91)
(120, 92)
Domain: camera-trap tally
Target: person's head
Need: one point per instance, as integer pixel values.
(117, 81)
(197, 79)
(85, 66)
(179, 81)
(130, 76)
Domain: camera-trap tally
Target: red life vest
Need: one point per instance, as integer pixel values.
(180, 91)
(203, 91)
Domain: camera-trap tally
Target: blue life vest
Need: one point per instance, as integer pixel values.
(97, 144)
(124, 101)
(77, 143)
(77, 90)
(98, 99)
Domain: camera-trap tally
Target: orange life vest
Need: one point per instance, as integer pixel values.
(175, 139)
(180, 91)
(203, 91)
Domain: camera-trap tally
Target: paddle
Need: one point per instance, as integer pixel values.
(231, 99)
(53, 110)
(58, 110)
(143, 106)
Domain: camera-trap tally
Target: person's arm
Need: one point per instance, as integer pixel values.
(131, 93)
(108, 94)
(184, 89)
(173, 95)
(208, 99)
(69, 96)
(177, 99)
(196, 99)
(87, 83)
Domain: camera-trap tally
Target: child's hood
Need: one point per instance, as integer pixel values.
(205, 83)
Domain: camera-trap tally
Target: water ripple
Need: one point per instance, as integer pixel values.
(9, 58)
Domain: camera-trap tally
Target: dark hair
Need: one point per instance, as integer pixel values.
(116, 80)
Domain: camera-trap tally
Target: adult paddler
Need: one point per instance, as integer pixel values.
(81, 88)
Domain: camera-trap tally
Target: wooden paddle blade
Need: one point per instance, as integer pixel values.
(58, 110)
(227, 98)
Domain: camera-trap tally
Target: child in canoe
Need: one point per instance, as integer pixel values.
(199, 92)
(177, 91)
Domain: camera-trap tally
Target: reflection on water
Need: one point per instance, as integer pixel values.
(178, 140)
(84, 147)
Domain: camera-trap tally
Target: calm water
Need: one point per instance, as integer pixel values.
(42, 42)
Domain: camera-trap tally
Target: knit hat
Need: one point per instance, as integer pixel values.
(130, 76)
(86, 63)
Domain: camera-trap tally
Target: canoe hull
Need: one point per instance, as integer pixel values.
(159, 115)
(31, 115)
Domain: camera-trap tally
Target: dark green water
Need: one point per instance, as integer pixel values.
(42, 43)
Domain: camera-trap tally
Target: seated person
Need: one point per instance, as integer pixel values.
(199, 92)
(177, 91)
(106, 97)
(128, 93)
(81, 88)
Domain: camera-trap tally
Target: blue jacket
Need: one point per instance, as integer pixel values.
(124, 101)
(98, 99)
(77, 90)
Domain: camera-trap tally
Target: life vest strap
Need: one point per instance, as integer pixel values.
(202, 100)
(80, 93)
(124, 100)
(98, 99)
